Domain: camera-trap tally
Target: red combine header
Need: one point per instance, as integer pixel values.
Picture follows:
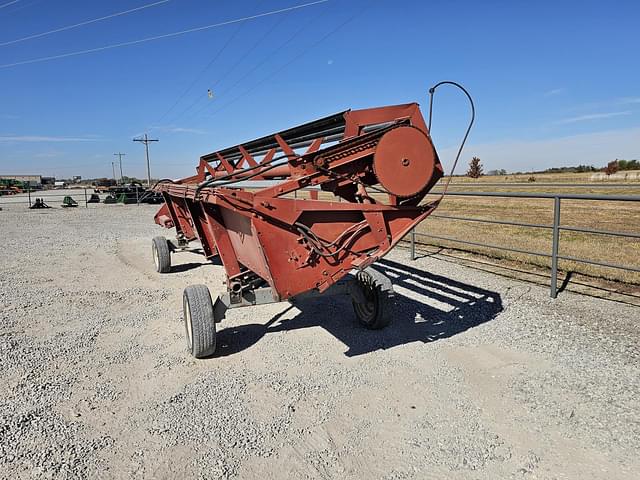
(304, 211)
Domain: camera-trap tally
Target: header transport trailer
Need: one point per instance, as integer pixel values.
(373, 167)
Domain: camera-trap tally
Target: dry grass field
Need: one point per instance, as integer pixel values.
(586, 177)
(601, 215)
(614, 216)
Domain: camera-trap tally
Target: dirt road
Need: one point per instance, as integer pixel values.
(479, 377)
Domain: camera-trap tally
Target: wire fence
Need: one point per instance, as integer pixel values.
(556, 227)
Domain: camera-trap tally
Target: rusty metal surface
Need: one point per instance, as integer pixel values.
(293, 245)
(404, 161)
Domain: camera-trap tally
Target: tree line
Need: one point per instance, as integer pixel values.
(476, 170)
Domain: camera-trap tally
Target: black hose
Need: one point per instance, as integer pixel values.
(163, 180)
(218, 182)
(464, 139)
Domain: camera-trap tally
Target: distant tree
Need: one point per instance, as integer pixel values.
(585, 168)
(612, 167)
(628, 165)
(475, 168)
(502, 171)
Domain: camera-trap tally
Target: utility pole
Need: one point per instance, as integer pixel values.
(120, 155)
(113, 167)
(146, 141)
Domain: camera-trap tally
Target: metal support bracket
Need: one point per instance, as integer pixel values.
(248, 298)
(349, 285)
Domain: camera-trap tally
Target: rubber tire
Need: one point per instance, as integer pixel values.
(376, 313)
(161, 254)
(200, 327)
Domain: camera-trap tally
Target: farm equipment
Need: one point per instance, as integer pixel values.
(245, 204)
(125, 199)
(11, 187)
(151, 197)
(132, 193)
(69, 202)
(38, 204)
(128, 193)
(102, 185)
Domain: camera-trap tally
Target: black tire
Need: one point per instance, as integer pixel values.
(375, 313)
(199, 324)
(161, 254)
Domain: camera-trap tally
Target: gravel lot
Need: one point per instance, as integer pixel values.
(479, 377)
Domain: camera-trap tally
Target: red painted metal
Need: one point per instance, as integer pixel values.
(375, 167)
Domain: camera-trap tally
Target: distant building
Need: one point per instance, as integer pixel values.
(34, 181)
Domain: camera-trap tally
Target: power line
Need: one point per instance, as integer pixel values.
(120, 155)
(22, 6)
(199, 75)
(302, 28)
(9, 3)
(246, 54)
(146, 141)
(250, 50)
(159, 37)
(264, 60)
(69, 27)
(278, 70)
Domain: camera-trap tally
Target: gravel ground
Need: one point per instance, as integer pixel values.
(479, 377)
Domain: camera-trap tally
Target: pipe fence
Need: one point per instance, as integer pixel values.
(606, 185)
(80, 195)
(555, 227)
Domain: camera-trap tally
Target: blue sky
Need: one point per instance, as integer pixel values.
(555, 83)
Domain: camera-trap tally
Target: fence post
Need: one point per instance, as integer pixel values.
(554, 247)
(29, 192)
(86, 200)
(413, 244)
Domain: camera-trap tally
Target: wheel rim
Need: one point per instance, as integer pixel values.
(187, 324)
(156, 260)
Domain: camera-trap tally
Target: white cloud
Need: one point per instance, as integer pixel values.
(519, 155)
(173, 129)
(628, 101)
(186, 130)
(47, 154)
(555, 91)
(609, 103)
(592, 116)
(38, 138)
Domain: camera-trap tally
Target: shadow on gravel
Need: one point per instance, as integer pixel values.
(434, 308)
(185, 267)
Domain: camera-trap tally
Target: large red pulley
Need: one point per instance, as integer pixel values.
(404, 161)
